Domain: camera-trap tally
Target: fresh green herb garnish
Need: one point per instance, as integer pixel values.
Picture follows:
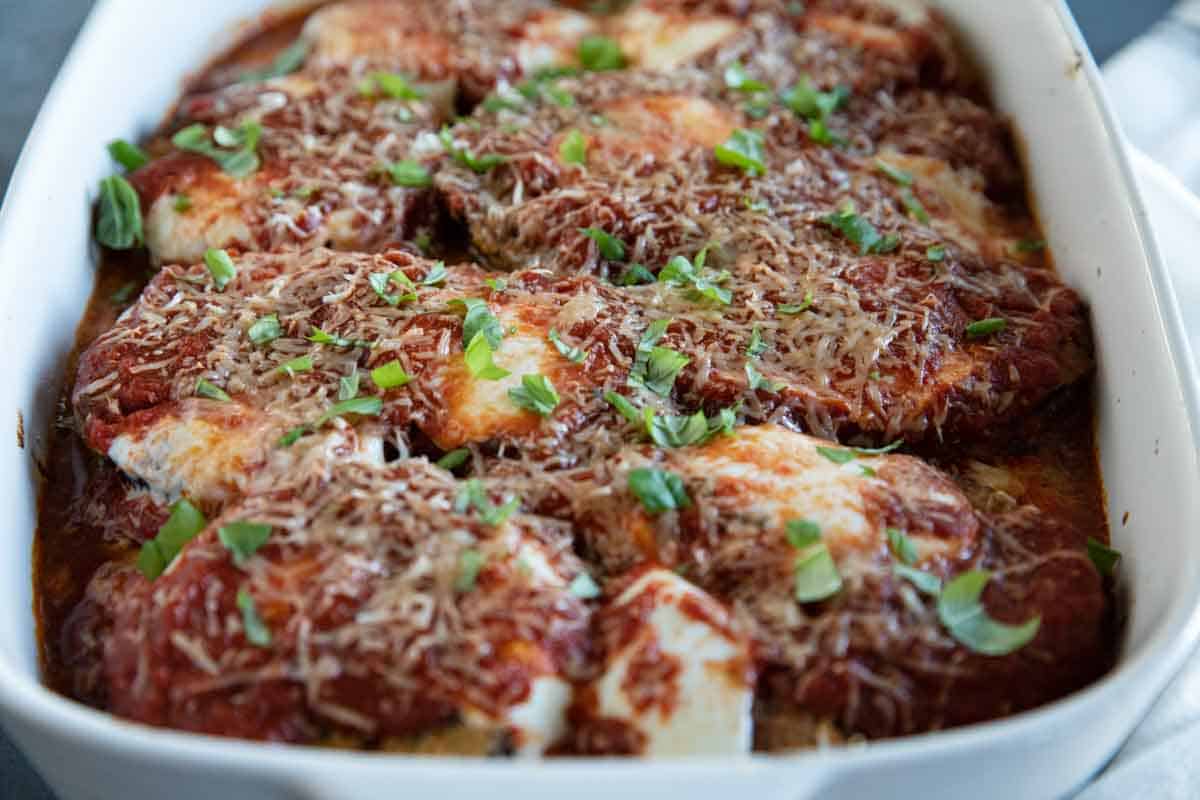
(681, 272)
(211, 391)
(738, 79)
(478, 319)
(496, 284)
(220, 266)
(470, 564)
(182, 204)
(755, 380)
(474, 495)
(611, 248)
(600, 54)
(478, 164)
(287, 62)
(437, 274)
(914, 207)
(319, 336)
(936, 253)
(235, 149)
(119, 215)
(409, 174)
(454, 459)
(1104, 557)
(792, 309)
(816, 574)
(265, 330)
(379, 283)
(243, 539)
(815, 106)
(127, 154)
(257, 633)
(296, 365)
(364, 406)
(390, 376)
(860, 231)
(743, 149)
(655, 368)
(348, 385)
(184, 524)
(895, 173)
(659, 490)
(986, 327)
(572, 354)
(636, 275)
(624, 407)
(391, 84)
(535, 394)
(480, 362)
(901, 545)
(757, 346)
(962, 613)
(573, 149)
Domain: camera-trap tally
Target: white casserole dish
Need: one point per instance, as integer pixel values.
(126, 69)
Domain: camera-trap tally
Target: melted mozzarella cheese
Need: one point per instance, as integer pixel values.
(660, 41)
(214, 219)
(703, 706)
(345, 31)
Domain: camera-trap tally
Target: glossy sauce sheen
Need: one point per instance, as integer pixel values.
(1041, 454)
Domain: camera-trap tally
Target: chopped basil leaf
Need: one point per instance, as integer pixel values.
(961, 611)
(611, 248)
(437, 274)
(125, 293)
(243, 539)
(743, 149)
(474, 494)
(321, 337)
(265, 330)
(211, 391)
(816, 574)
(789, 309)
(681, 272)
(478, 318)
(622, 405)
(572, 354)
(755, 380)
(936, 253)
(915, 209)
(479, 359)
(379, 283)
(738, 79)
(454, 459)
(925, 582)
(366, 406)
(184, 523)
(220, 266)
(127, 154)
(348, 385)
(879, 451)
(496, 284)
(805, 101)
(182, 204)
(837, 456)
(470, 564)
(298, 364)
(535, 394)
(478, 164)
(1031, 246)
(573, 149)
(860, 231)
(409, 174)
(292, 436)
(672, 431)
(902, 546)
(390, 376)
(584, 587)
(119, 216)
(257, 633)
(391, 84)
(287, 62)
(757, 346)
(600, 54)
(659, 370)
(1104, 557)
(636, 275)
(986, 327)
(235, 151)
(659, 490)
(895, 173)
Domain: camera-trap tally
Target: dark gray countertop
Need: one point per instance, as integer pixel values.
(35, 36)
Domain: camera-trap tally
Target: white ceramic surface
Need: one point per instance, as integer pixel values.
(122, 74)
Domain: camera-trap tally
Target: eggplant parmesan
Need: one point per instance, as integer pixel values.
(660, 378)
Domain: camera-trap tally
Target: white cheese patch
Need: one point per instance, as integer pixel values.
(214, 220)
(708, 701)
(662, 41)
